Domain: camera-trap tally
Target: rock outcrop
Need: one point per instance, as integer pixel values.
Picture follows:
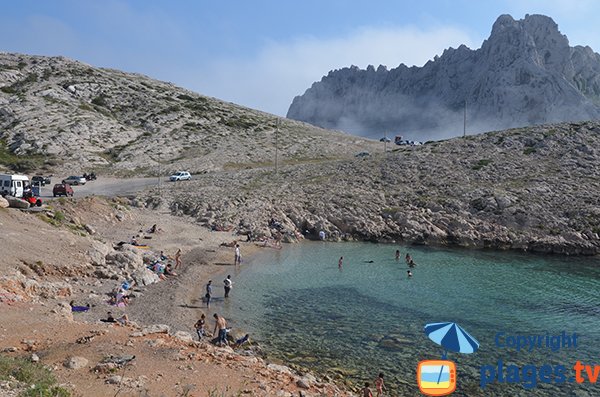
(531, 189)
(524, 74)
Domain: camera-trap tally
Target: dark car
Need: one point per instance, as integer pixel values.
(62, 189)
(40, 180)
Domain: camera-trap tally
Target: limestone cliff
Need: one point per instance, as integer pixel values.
(524, 74)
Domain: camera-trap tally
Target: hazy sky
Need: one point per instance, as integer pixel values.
(262, 53)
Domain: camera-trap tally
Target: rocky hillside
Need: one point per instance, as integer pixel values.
(524, 74)
(66, 115)
(532, 189)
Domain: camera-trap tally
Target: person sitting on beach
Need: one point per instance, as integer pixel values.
(242, 340)
(75, 308)
(200, 327)
(169, 271)
(123, 320)
(153, 229)
(162, 256)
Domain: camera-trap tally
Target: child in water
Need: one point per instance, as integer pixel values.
(379, 386)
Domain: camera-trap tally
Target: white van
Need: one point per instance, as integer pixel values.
(13, 185)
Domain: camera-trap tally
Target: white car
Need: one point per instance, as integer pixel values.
(180, 176)
(75, 180)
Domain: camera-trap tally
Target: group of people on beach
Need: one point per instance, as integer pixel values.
(379, 387)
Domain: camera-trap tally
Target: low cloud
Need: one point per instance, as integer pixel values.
(281, 70)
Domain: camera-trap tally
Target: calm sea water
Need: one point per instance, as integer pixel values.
(368, 317)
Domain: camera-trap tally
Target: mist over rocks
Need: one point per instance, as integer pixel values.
(524, 74)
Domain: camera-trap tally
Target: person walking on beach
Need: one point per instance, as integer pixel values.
(366, 391)
(200, 327)
(208, 293)
(178, 258)
(397, 254)
(238, 255)
(228, 284)
(221, 326)
(379, 385)
(340, 262)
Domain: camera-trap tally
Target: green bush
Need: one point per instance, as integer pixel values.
(529, 150)
(480, 164)
(42, 382)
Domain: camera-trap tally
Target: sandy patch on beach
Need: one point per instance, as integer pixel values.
(163, 364)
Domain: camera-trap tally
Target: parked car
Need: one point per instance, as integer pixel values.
(180, 176)
(62, 189)
(385, 139)
(75, 180)
(40, 180)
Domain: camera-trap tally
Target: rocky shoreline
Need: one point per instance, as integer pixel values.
(529, 190)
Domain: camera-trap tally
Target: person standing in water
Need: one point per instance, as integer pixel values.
(340, 262)
(366, 391)
(408, 258)
(379, 385)
(238, 255)
(228, 283)
(208, 293)
(409, 273)
(397, 254)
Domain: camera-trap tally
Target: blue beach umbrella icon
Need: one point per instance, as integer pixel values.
(452, 338)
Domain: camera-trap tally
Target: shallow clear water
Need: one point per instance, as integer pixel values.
(369, 317)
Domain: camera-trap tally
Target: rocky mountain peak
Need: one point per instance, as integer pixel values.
(525, 73)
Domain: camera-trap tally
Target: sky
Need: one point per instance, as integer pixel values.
(262, 53)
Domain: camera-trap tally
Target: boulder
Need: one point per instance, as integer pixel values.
(4, 203)
(145, 277)
(76, 362)
(156, 329)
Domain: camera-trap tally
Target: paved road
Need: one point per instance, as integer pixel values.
(107, 186)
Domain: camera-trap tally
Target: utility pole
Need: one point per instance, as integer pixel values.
(159, 172)
(385, 142)
(277, 146)
(465, 120)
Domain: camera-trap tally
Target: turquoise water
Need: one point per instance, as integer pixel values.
(368, 317)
